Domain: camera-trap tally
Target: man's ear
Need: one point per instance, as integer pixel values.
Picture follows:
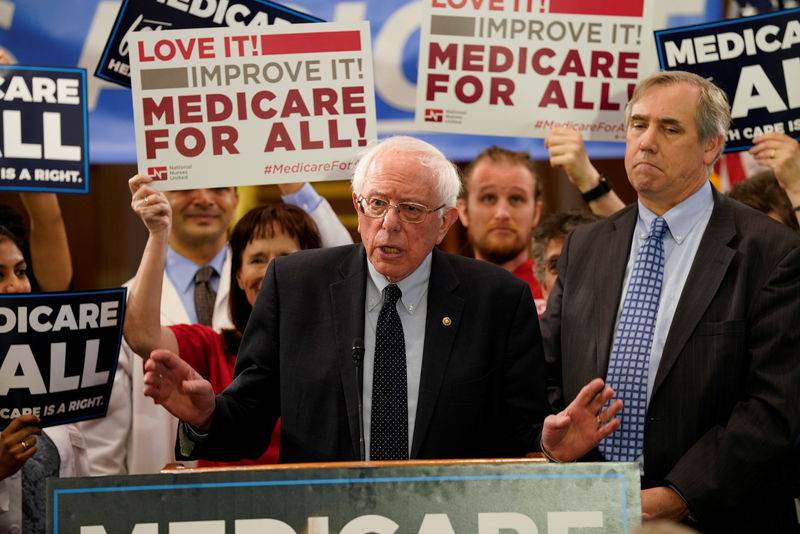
(448, 218)
(461, 206)
(358, 211)
(711, 148)
(537, 213)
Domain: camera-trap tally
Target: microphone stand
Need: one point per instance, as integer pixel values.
(358, 360)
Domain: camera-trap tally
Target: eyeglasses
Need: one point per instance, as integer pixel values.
(409, 212)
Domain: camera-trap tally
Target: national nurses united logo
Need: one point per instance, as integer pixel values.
(434, 115)
(157, 173)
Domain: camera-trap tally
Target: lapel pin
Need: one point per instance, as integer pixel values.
(446, 321)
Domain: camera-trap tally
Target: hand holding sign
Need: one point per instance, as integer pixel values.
(568, 152)
(150, 204)
(780, 153)
(17, 445)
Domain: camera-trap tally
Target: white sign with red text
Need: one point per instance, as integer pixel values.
(521, 67)
(218, 107)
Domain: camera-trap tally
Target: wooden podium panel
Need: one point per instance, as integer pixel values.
(522, 496)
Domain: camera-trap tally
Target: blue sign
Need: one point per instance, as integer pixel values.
(58, 354)
(157, 15)
(755, 60)
(43, 127)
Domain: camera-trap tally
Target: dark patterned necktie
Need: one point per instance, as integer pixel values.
(389, 418)
(630, 355)
(204, 295)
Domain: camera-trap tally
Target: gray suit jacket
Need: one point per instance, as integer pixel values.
(725, 407)
(482, 388)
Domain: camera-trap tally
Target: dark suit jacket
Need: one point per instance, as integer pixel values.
(724, 408)
(482, 387)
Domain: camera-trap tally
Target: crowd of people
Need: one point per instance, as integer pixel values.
(665, 335)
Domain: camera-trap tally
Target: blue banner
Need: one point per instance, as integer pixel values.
(43, 127)
(58, 354)
(755, 60)
(74, 33)
(157, 15)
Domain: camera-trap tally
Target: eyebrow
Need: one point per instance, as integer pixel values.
(385, 197)
(664, 122)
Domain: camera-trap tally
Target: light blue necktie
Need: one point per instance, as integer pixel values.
(630, 354)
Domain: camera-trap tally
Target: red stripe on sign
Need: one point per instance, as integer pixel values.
(305, 43)
(619, 8)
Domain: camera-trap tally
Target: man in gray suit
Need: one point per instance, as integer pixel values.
(720, 378)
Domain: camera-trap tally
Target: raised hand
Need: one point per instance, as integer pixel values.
(175, 385)
(583, 424)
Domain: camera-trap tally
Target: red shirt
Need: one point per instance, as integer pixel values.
(525, 272)
(202, 348)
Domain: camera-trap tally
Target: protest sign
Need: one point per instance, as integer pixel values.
(156, 15)
(218, 107)
(58, 354)
(84, 26)
(520, 68)
(43, 130)
(755, 60)
(513, 496)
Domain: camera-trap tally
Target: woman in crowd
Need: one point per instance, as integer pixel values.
(763, 192)
(29, 455)
(261, 234)
(43, 242)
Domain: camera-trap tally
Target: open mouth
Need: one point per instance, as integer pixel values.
(390, 250)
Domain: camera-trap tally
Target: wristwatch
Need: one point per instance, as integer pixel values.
(602, 188)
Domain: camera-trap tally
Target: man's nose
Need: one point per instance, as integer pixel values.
(647, 141)
(391, 219)
(502, 209)
(203, 196)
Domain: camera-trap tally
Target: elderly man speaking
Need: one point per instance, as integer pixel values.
(453, 364)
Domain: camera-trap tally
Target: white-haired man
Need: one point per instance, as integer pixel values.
(453, 364)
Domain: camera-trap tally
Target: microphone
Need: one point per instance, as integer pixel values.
(358, 360)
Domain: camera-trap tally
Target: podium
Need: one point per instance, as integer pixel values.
(497, 496)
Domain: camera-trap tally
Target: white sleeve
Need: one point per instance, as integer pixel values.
(331, 229)
(71, 446)
(107, 437)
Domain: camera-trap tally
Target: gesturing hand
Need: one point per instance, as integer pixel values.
(583, 424)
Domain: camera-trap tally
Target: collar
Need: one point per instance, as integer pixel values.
(182, 269)
(682, 218)
(412, 286)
